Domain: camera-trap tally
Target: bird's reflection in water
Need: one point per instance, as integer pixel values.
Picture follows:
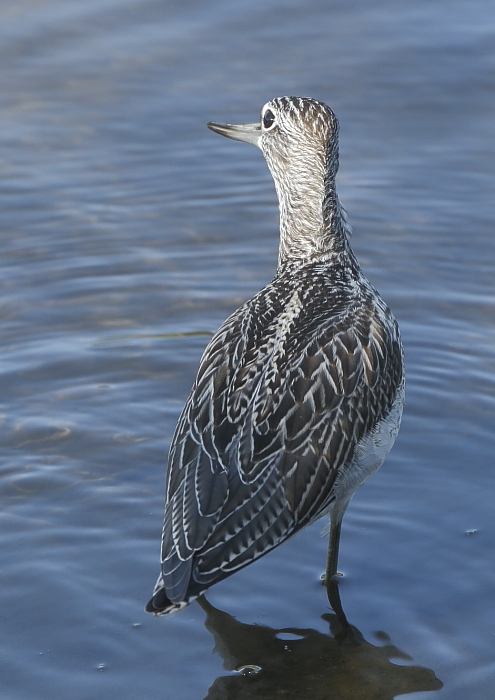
(306, 664)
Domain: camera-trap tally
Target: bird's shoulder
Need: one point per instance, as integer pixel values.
(330, 314)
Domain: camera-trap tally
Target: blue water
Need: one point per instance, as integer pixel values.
(129, 232)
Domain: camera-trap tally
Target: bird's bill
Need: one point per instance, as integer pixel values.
(250, 133)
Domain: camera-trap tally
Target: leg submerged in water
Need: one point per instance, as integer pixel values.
(331, 573)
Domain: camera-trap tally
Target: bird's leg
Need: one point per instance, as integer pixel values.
(331, 574)
(333, 549)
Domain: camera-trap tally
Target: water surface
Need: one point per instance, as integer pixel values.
(129, 232)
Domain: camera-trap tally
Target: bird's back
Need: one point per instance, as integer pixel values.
(290, 390)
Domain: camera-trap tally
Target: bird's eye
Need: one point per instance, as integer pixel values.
(268, 119)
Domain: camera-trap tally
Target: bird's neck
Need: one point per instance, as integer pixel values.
(313, 223)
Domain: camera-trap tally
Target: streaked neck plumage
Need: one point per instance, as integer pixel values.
(313, 223)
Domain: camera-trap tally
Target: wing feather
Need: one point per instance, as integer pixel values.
(285, 390)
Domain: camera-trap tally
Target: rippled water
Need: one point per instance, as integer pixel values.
(129, 232)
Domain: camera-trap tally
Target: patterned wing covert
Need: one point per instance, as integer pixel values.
(286, 389)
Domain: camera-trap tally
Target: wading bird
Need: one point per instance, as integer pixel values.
(299, 394)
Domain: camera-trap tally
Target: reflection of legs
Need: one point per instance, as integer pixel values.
(331, 574)
(333, 594)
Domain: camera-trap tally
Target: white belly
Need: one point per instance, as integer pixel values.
(369, 455)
